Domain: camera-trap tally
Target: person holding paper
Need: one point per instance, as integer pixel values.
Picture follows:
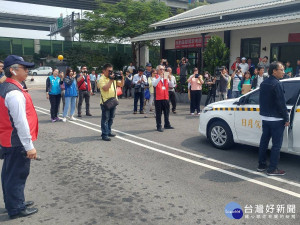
(245, 83)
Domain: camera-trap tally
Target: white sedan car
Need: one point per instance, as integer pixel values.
(238, 121)
(43, 70)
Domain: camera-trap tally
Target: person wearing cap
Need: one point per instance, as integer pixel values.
(148, 70)
(2, 76)
(244, 65)
(139, 81)
(18, 130)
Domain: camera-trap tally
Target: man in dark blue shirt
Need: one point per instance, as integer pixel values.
(275, 118)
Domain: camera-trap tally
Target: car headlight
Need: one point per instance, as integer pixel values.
(207, 108)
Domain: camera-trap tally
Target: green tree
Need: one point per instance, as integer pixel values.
(216, 54)
(124, 20)
(197, 3)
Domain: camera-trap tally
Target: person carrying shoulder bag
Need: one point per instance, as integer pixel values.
(108, 100)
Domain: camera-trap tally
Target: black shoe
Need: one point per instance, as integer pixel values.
(174, 111)
(135, 112)
(261, 168)
(141, 112)
(28, 203)
(169, 127)
(24, 212)
(79, 115)
(112, 135)
(88, 114)
(160, 130)
(276, 172)
(105, 138)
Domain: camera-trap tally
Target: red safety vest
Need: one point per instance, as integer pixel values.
(84, 84)
(8, 132)
(160, 93)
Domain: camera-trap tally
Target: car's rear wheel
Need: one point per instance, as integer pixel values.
(220, 135)
(34, 74)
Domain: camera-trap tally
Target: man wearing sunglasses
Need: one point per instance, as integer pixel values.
(18, 129)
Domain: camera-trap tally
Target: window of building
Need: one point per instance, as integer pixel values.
(250, 48)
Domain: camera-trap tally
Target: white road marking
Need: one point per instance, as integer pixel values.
(297, 195)
(196, 155)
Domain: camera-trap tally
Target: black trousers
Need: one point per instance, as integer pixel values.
(172, 100)
(86, 96)
(162, 106)
(195, 101)
(182, 82)
(15, 170)
(139, 96)
(127, 88)
(93, 84)
(211, 97)
(54, 105)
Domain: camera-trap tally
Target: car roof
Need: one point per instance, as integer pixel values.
(291, 79)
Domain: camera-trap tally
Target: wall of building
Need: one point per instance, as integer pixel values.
(268, 35)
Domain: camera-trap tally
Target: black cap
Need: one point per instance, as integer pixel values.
(14, 59)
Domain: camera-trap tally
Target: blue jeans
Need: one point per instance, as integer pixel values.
(274, 130)
(139, 96)
(107, 120)
(69, 100)
(235, 94)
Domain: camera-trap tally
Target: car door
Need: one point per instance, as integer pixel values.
(247, 120)
(291, 141)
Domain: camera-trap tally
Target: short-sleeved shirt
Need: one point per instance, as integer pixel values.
(105, 95)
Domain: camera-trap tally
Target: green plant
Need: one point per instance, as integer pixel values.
(216, 54)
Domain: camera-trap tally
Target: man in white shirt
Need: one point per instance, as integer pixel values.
(244, 65)
(172, 85)
(139, 81)
(18, 130)
(259, 78)
(236, 77)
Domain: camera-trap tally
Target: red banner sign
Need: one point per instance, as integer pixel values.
(295, 37)
(191, 42)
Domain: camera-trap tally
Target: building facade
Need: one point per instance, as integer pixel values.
(250, 28)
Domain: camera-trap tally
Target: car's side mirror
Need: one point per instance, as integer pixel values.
(241, 101)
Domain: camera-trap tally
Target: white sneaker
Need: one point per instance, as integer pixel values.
(192, 114)
(64, 119)
(73, 118)
(199, 113)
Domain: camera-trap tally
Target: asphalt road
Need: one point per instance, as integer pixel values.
(146, 177)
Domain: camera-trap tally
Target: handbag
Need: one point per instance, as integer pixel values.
(119, 91)
(147, 94)
(111, 102)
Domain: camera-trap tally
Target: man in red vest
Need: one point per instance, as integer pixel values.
(161, 98)
(18, 129)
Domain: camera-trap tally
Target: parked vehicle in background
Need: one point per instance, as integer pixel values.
(41, 71)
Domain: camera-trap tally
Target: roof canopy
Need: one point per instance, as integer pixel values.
(230, 15)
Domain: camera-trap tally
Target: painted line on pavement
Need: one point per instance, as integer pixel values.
(297, 195)
(196, 155)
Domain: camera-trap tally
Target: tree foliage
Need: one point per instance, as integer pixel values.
(216, 54)
(197, 3)
(123, 20)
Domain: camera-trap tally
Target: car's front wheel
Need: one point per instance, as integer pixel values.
(34, 74)
(220, 135)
